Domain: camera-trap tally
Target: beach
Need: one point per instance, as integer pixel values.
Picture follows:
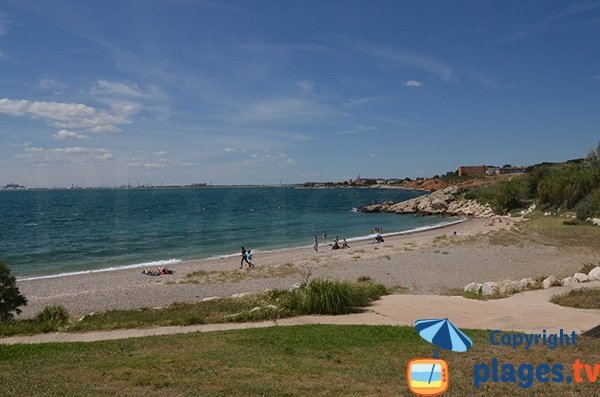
(437, 261)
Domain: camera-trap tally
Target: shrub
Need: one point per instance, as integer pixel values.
(322, 296)
(566, 185)
(589, 207)
(571, 222)
(56, 314)
(586, 268)
(10, 297)
(503, 197)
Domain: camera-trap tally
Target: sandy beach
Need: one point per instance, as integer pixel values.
(439, 261)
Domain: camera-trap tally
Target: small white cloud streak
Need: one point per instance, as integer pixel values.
(76, 154)
(408, 59)
(413, 83)
(66, 134)
(4, 24)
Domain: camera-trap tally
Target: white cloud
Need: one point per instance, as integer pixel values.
(305, 85)
(230, 150)
(413, 83)
(283, 108)
(406, 59)
(370, 155)
(76, 154)
(132, 90)
(269, 156)
(66, 134)
(160, 153)
(153, 166)
(70, 115)
(362, 101)
(358, 129)
(4, 23)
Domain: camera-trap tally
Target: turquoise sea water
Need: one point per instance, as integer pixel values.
(50, 232)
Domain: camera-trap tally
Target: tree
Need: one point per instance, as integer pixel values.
(593, 157)
(10, 297)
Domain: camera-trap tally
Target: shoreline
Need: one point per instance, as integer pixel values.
(438, 261)
(174, 261)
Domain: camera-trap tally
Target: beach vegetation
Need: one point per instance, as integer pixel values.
(586, 268)
(11, 298)
(316, 296)
(303, 360)
(589, 207)
(583, 298)
(50, 319)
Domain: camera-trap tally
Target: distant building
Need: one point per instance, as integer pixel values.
(471, 170)
(509, 170)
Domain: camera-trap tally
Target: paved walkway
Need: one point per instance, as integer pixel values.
(525, 312)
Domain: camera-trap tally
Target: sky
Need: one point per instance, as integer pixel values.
(262, 92)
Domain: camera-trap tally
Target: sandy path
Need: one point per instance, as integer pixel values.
(525, 312)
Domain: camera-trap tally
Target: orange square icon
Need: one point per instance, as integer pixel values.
(427, 376)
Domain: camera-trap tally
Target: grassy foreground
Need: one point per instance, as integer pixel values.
(315, 360)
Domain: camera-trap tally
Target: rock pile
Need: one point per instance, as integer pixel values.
(508, 287)
(440, 202)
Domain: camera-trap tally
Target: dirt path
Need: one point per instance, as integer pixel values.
(526, 312)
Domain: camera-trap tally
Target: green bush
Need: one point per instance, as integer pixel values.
(56, 314)
(589, 207)
(322, 296)
(565, 185)
(10, 297)
(503, 197)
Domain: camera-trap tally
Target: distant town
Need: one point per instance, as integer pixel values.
(462, 171)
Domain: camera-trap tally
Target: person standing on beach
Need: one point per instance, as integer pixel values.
(324, 237)
(245, 258)
(316, 245)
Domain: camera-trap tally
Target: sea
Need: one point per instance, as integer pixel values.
(47, 233)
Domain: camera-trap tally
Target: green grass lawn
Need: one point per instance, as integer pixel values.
(315, 360)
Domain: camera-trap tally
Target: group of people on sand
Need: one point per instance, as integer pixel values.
(334, 246)
(158, 272)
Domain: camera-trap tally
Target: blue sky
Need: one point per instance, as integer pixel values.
(185, 91)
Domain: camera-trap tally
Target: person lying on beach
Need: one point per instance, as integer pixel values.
(158, 272)
(345, 244)
(378, 239)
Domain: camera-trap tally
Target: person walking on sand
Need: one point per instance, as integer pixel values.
(324, 237)
(316, 245)
(246, 257)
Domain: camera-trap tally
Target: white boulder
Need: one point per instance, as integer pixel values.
(526, 283)
(550, 281)
(594, 274)
(508, 287)
(474, 288)
(581, 277)
(489, 288)
(569, 281)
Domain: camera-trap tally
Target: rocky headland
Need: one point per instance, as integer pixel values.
(441, 202)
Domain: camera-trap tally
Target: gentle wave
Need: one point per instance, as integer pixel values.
(159, 263)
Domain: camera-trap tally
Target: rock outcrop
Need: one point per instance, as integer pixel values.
(440, 202)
